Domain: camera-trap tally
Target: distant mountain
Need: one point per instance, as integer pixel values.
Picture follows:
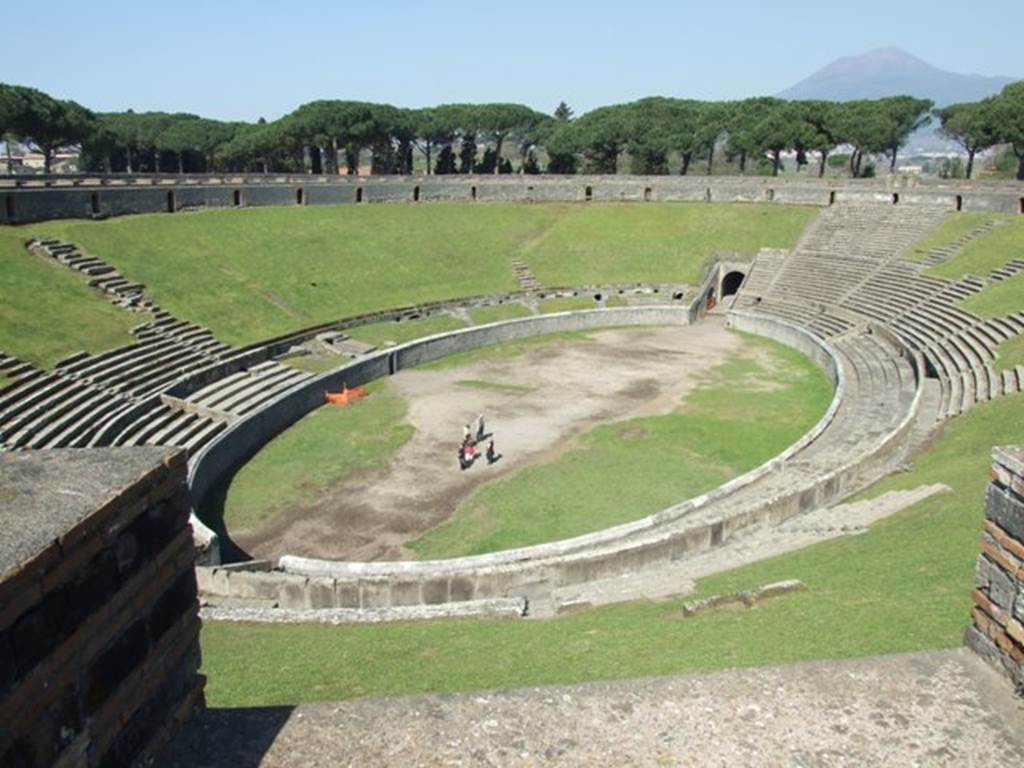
(892, 72)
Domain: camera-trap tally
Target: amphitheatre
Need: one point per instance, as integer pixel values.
(746, 425)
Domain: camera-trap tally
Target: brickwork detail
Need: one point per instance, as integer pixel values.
(997, 629)
(99, 627)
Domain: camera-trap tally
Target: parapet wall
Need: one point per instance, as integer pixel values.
(99, 627)
(31, 199)
(997, 630)
(239, 443)
(306, 583)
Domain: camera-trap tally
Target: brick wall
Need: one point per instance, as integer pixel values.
(99, 619)
(997, 630)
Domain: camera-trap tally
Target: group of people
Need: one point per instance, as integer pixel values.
(472, 436)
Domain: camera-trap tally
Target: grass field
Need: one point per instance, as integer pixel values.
(1010, 353)
(322, 449)
(998, 299)
(768, 393)
(389, 332)
(484, 315)
(285, 268)
(47, 311)
(991, 250)
(952, 227)
(903, 586)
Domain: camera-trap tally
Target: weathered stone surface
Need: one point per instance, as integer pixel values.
(1001, 589)
(45, 494)
(1006, 510)
(928, 709)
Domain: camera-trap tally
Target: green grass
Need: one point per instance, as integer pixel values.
(952, 227)
(998, 299)
(321, 450)
(1010, 353)
(484, 315)
(666, 242)
(48, 312)
(290, 267)
(389, 332)
(566, 304)
(629, 469)
(991, 250)
(313, 364)
(903, 586)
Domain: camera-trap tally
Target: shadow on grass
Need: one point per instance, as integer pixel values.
(218, 738)
(212, 514)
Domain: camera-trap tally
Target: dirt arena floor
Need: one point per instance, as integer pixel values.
(534, 404)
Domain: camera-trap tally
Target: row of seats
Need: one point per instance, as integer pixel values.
(832, 292)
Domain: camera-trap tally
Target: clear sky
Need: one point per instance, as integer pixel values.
(242, 60)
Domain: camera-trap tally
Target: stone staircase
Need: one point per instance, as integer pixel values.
(525, 277)
(102, 276)
(944, 253)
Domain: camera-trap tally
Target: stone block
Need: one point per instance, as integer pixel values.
(253, 586)
(1006, 510)
(204, 578)
(406, 592)
(320, 592)
(981, 571)
(39, 631)
(435, 591)
(292, 591)
(346, 594)
(1001, 588)
(171, 605)
(460, 588)
(114, 665)
(375, 593)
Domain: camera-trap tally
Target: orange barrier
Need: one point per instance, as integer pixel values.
(346, 396)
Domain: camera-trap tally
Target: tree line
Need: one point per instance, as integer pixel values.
(651, 136)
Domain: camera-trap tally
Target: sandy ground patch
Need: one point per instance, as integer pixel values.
(548, 396)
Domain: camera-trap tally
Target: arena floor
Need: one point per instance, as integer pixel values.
(535, 404)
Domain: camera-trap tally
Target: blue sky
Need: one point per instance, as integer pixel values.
(243, 60)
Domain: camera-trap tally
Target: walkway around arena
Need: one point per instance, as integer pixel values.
(939, 708)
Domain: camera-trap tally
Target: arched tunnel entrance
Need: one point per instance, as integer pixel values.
(731, 283)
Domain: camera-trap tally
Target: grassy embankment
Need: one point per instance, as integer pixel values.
(952, 227)
(48, 312)
(902, 586)
(254, 273)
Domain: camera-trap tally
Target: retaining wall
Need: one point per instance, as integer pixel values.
(997, 629)
(236, 445)
(306, 583)
(26, 199)
(99, 627)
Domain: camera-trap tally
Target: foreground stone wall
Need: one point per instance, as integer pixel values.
(99, 627)
(997, 629)
(30, 199)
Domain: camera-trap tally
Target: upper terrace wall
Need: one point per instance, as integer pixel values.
(39, 198)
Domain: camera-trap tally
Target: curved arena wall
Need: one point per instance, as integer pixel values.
(27, 199)
(236, 445)
(679, 531)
